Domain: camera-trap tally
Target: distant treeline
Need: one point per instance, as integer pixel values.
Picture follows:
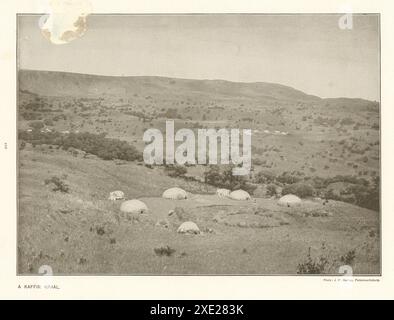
(97, 144)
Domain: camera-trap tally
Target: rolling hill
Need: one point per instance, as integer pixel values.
(330, 136)
(59, 84)
(330, 145)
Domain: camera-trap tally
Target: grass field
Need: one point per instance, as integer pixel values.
(81, 232)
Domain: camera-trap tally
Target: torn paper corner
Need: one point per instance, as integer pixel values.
(64, 21)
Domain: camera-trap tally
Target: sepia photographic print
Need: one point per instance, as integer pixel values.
(198, 144)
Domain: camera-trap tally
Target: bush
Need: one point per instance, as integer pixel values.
(375, 126)
(164, 251)
(366, 197)
(313, 266)
(97, 144)
(271, 190)
(48, 122)
(347, 121)
(265, 177)
(22, 145)
(325, 261)
(288, 178)
(300, 189)
(59, 185)
(349, 257)
(225, 179)
(175, 171)
(359, 191)
(37, 125)
(171, 113)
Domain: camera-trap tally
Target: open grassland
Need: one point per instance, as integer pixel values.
(81, 232)
(80, 137)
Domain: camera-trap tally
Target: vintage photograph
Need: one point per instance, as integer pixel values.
(198, 144)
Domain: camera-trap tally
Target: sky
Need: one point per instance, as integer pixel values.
(307, 52)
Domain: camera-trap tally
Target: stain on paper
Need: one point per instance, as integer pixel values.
(65, 20)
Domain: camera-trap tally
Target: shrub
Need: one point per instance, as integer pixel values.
(288, 178)
(175, 170)
(358, 191)
(164, 251)
(365, 197)
(313, 266)
(22, 145)
(48, 122)
(329, 194)
(171, 113)
(347, 121)
(97, 144)
(59, 185)
(300, 189)
(265, 177)
(349, 257)
(271, 190)
(326, 261)
(37, 125)
(225, 179)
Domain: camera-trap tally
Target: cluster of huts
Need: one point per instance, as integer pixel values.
(136, 206)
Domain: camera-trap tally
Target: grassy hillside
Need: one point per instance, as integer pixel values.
(328, 136)
(84, 133)
(82, 85)
(80, 231)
